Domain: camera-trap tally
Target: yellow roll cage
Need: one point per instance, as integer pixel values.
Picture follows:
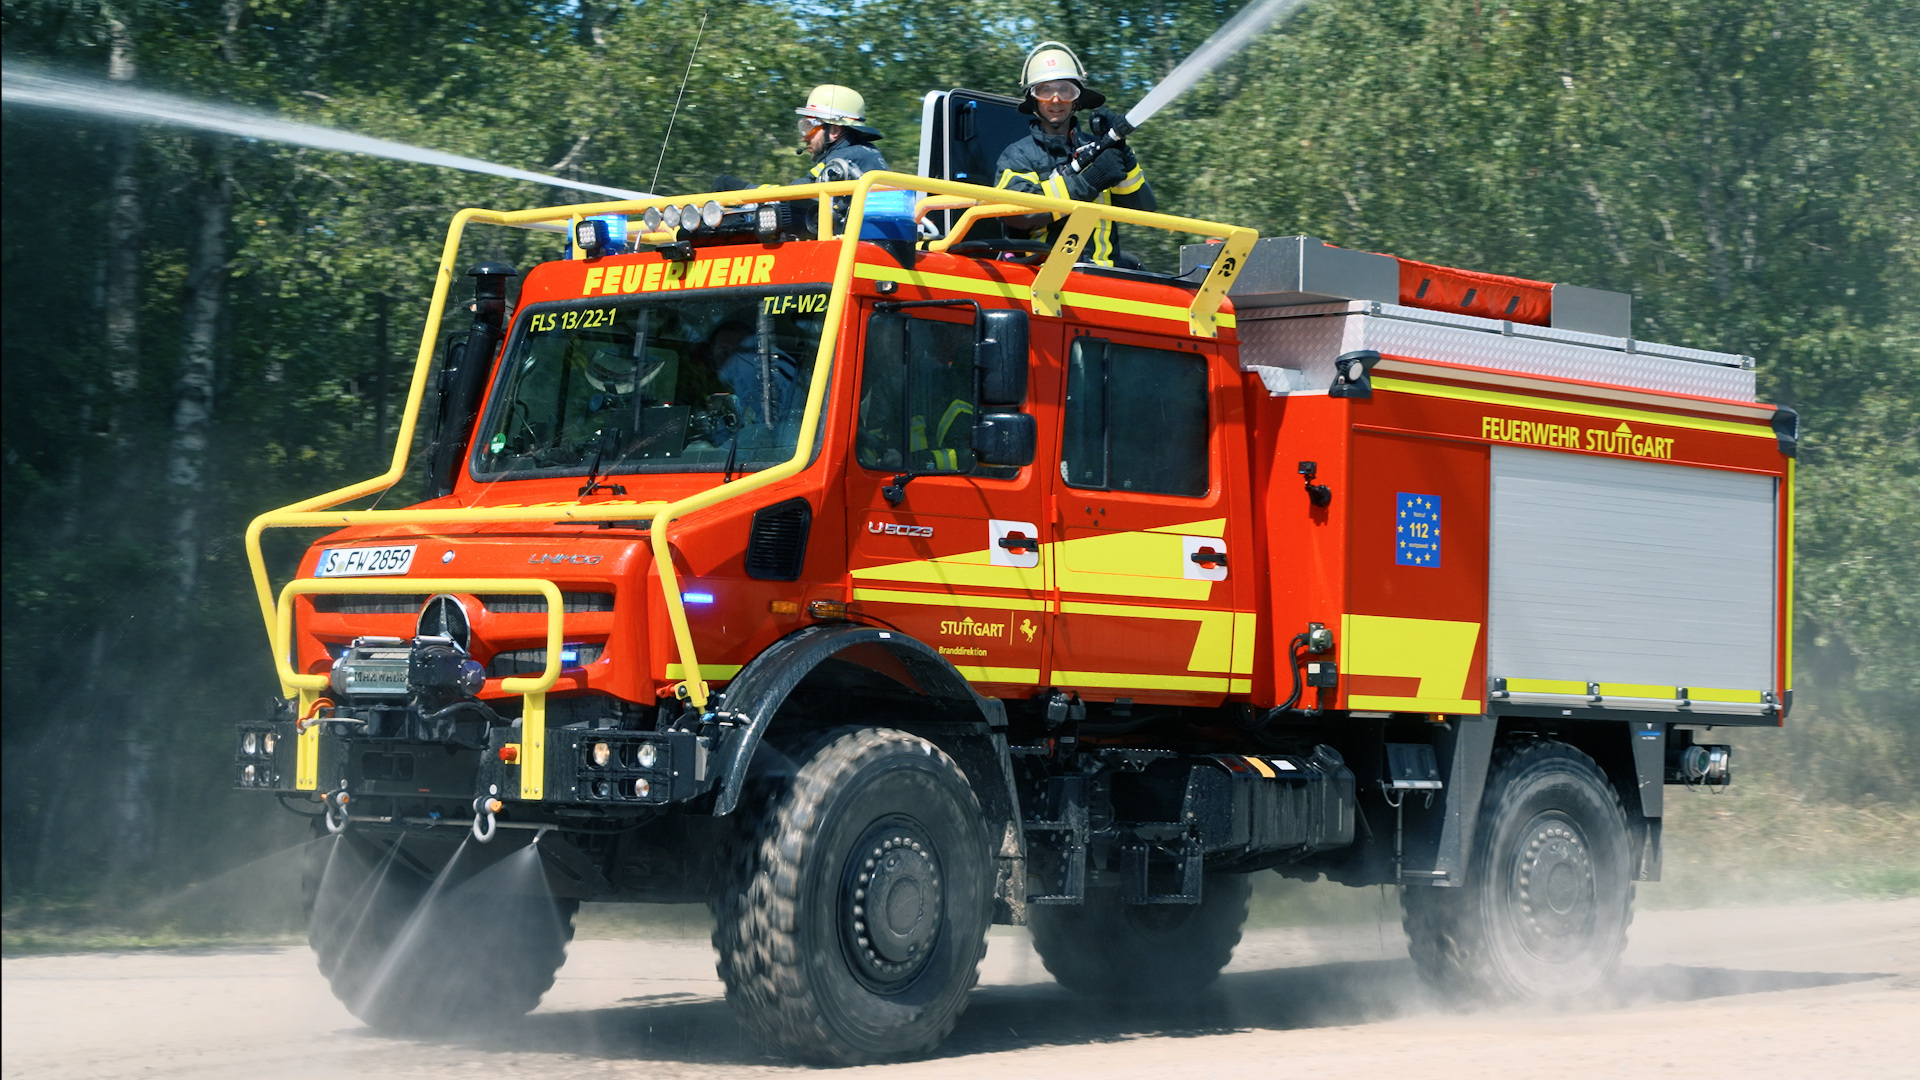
(979, 204)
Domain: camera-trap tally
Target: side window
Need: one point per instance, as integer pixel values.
(1136, 419)
(917, 396)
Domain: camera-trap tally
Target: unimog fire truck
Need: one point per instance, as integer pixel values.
(822, 555)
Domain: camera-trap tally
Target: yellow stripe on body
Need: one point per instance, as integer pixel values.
(1130, 680)
(979, 287)
(1546, 686)
(970, 568)
(1259, 766)
(1376, 703)
(1025, 676)
(712, 671)
(1107, 564)
(1213, 648)
(1528, 401)
(1615, 689)
(1437, 652)
(1704, 693)
(929, 599)
(1214, 527)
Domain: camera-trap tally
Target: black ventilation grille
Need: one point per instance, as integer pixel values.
(778, 546)
(368, 603)
(512, 603)
(534, 661)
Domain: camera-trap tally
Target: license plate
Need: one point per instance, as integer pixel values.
(365, 562)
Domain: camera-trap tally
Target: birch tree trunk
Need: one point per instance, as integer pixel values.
(206, 288)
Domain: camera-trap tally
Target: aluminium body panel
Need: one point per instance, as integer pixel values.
(1292, 349)
(1619, 571)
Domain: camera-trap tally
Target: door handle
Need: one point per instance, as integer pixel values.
(1016, 542)
(1204, 556)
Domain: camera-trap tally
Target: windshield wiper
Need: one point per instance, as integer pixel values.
(593, 471)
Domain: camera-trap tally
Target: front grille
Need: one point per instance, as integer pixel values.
(368, 603)
(534, 603)
(778, 546)
(533, 661)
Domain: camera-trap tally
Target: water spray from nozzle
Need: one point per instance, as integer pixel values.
(23, 85)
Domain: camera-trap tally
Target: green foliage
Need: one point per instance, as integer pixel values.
(1744, 169)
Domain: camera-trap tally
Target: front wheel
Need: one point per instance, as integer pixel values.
(1544, 912)
(857, 920)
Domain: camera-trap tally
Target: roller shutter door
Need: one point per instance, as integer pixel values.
(1606, 570)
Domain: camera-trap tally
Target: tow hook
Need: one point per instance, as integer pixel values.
(337, 813)
(484, 825)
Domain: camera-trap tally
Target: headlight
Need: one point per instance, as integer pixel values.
(249, 773)
(250, 745)
(650, 217)
(689, 217)
(670, 217)
(646, 755)
(642, 789)
(602, 753)
(266, 743)
(711, 214)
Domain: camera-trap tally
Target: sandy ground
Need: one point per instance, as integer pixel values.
(1830, 992)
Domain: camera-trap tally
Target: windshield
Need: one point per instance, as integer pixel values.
(680, 384)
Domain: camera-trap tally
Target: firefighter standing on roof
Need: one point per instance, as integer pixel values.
(1054, 84)
(835, 133)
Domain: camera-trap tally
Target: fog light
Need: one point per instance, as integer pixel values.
(650, 217)
(642, 789)
(602, 753)
(711, 213)
(647, 755)
(670, 217)
(602, 789)
(689, 217)
(249, 745)
(249, 773)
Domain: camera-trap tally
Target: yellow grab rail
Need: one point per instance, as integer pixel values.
(317, 511)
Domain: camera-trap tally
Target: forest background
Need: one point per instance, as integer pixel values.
(198, 328)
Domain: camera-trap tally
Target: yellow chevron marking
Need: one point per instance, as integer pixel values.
(1435, 651)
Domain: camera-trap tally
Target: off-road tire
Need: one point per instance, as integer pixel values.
(1142, 952)
(473, 960)
(810, 968)
(1543, 915)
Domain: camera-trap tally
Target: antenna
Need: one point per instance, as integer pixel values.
(668, 137)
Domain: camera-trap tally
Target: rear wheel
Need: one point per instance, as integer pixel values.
(1549, 894)
(857, 920)
(1142, 952)
(403, 956)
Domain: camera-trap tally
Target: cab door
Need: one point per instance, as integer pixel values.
(1148, 554)
(941, 546)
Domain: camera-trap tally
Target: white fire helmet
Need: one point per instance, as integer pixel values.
(1051, 60)
(841, 106)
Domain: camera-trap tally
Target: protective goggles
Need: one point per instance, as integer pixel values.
(808, 125)
(1057, 90)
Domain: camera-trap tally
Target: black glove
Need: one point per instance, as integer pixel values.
(1102, 120)
(1105, 170)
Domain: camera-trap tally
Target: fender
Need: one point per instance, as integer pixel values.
(756, 694)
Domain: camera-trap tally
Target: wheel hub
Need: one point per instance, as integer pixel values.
(892, 903)
(1553, 889)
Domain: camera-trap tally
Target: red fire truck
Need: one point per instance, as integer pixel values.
(873, 581)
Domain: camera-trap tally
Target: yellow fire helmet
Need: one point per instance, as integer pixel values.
(841, 106)
(1051, 60)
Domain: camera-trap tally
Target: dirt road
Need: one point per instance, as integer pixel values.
(1829, 992)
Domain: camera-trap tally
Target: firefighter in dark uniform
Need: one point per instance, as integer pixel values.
(1055, 87)
(834, 130)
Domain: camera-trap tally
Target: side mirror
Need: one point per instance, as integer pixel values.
(1000, 355)
(1005, 438)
